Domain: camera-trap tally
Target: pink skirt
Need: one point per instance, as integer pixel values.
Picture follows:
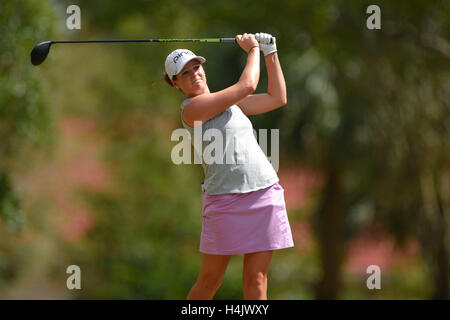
(239, 223)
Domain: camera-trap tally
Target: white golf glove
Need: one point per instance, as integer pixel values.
(264, 43)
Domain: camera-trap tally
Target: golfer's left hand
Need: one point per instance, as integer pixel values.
(264, 43)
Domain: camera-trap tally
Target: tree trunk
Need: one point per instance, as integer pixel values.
(435, 236)
(441, 273)
(329, 226)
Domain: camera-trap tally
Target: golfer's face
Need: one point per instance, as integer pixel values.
(192, 79)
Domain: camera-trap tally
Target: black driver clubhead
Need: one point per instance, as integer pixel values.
(40, 52)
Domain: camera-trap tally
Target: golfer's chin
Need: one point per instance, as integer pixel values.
(198, 88)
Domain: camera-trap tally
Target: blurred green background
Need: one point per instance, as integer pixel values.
(86, 176)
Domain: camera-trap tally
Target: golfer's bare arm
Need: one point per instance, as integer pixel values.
(206, 106)
(276, 92)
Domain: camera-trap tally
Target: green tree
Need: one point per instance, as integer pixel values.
(372, 113)
(25, 116)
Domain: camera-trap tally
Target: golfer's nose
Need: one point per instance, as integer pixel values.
(195, 73)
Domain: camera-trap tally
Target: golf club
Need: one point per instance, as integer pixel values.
(41, 50)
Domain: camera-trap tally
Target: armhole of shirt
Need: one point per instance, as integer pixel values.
(182, 120)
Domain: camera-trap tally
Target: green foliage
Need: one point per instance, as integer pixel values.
(24, 114)
(25, 118)
(10, 210)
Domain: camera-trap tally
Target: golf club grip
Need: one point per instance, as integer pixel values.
(227, 40)
(234, 40)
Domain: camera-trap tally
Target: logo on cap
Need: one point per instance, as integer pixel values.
(179, 55)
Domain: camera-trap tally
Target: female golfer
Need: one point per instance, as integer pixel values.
(243, 207)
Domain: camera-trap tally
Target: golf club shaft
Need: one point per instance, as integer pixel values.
(152, 40)
(41, 50)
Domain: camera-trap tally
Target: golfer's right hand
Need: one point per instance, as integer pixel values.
(247, 41)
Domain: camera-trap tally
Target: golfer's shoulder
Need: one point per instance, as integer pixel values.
(198, 101)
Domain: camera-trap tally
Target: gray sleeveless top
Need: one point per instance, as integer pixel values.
(232, 160)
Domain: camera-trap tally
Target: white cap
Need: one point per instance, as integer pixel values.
(177, 59)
